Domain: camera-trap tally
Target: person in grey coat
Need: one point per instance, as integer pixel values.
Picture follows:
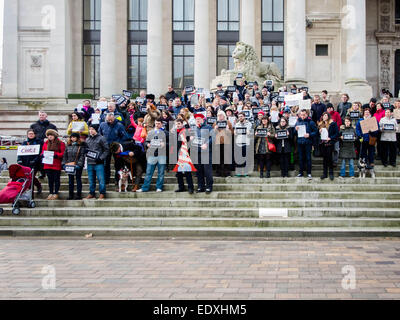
(389, 127)
(97, 152)
(347, 138)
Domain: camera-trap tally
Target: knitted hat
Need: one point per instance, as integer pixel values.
(51, 132)
(76, 135)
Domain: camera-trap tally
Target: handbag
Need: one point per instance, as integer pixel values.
(76, 158)
(143, 134)
(372, 140)
(271, 146)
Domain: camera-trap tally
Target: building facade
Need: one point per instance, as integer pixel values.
(53, 48)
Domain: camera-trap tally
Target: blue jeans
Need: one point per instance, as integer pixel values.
(343, 167)
(93, 171)
(152, 163)
(304, 151)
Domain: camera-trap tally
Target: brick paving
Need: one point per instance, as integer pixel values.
(177, 269)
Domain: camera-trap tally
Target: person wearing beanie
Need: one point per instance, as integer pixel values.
(53, 168)
(74, 159)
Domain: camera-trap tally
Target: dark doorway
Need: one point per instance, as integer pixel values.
(397, 74)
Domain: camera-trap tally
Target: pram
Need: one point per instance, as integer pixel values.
(20, 188)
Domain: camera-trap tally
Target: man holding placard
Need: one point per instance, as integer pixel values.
(306, 131)
(367, 130)
(389, 127)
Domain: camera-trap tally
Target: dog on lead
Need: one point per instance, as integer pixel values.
(364, 168)
(124, 175)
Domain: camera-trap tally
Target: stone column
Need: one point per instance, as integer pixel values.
(155, 52)
(356, 84)
(202, 44)
(10, 50)
(113, 59)
(247, 22)
(295, 42)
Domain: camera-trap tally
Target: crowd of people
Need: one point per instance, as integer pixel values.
(205, 132)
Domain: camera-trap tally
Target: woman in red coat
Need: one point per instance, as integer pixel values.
(52, 163)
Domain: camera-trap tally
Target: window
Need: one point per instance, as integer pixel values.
(183, 65)
(273, 53)
(272, 15)
(228, 15)
(224, 57)
(137, 19)
(183, 15)
(92, 14)
(397, 14)
(91, 47)
(321, 50)
(137, 67)
(91, 69)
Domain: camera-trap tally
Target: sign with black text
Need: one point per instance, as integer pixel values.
(127, 93)
(231, 89)
(222, 124)
(247, 113)
(388, 127)
(70, 170)
(91, 154)
(354, 115)
(211, 120)
(348, 137)
(261, 132)
(281, 134)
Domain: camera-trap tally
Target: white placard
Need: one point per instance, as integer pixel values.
(79, 108)
(102, 105)
(48, 157)
(274, 116)
(302, 131)
(305, 104)
(95, 118)
(207, 94)
(292, 121)
(28, 150)
(232, 120)
(324, 134)
(78, 126)
(293, 99)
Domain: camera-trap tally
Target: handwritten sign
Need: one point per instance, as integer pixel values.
(102, 105)
(78, 126)
(369, 125)
(28, 150)
(305, 104)
(293, 99)
(48, 157)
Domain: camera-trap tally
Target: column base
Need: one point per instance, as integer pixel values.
(298, 82)
(358, 90)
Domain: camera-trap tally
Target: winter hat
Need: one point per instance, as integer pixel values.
(51, 132)
(76, 135)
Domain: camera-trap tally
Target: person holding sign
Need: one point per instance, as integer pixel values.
(77, 125)
(85, 111)
(284, 145)
(347, 152)
(97, 151)
(73, 163)
(306, 131)
(379, 114)
(53, 152)
(264, 136)
(223, 130)
(242, 134)
(329, 133)
(368, 136)
(32, 161)
(389, 127)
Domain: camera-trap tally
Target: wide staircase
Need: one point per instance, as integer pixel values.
(238, 208)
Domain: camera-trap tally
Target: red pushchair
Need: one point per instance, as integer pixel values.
(20, 188)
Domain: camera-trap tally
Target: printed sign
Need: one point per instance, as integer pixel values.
(162, 107)
(231, 89)
(305, 104)
(294, 91)
(232, 120)
(239, 75)
(116, 96)
(143, 109)
(388, 127)
(324, 134)
(282, 134)
(120, 100)
(78, 126)
(28, 150)
(198, 141)
(348, 137)
(261, 132)
(188, 89)
(354, 115)
(301, 131)
(280, 99)
(127, 93)
(256, 111)
(266, 109)
(241, 131)
(93, 155)
(155, 143)
(293, 99)
(95, 118)
(102, 105)
(222, 124)
(211, 120)
(70, 170)
(48, 157)
(140, 100)
(269, 83)
(247, 113)
(386, 105)
(274, 116)
(292, 121)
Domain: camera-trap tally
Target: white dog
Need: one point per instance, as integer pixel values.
(124, 175)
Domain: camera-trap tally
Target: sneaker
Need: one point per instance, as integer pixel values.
(159, 190)
(208, 191)
(300, 175)
(191, 191)
(341, 177)
(309, 177)
(200, 191)
(323, 177)
(140, 190)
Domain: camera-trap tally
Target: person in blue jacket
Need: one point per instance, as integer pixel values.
(113, 131)
(305, 142)
(367, 150)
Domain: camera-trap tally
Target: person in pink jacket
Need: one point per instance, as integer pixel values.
(379, 114)
(138, 130)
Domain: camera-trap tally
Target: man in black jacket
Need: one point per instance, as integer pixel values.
(40, 127)
(171, 94)
(317, 108)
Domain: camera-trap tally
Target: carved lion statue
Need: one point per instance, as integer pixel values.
(247, 62)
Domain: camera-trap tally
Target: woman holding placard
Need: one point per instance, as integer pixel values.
(284, 146)
(264, 135)
(53, 152)
(347, 152)
(223, 129)
(388, 126)
(329, 133)
(77, 125)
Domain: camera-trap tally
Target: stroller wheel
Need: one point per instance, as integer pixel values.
(1, 211)
(32, 204)
(16, 211)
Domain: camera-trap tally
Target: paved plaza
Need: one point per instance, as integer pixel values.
(196, 269)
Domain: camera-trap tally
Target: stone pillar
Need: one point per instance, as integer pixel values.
(295, 42)
(113, 59)
(155, 52)
(356, 85)
(10, 50)
(202, 44)
(247, 22)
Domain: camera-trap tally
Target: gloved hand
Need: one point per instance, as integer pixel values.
(63, 166)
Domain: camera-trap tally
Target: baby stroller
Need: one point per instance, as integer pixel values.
(20, 188)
